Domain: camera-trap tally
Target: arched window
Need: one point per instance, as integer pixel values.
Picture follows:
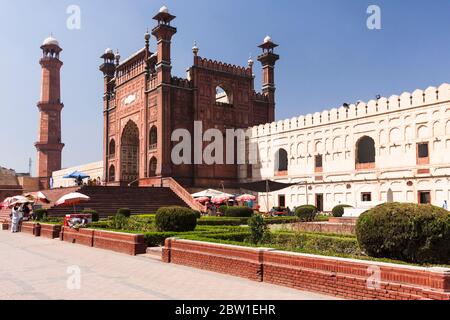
(152, 167)
(223, 96)
(153, 138)
(365, 153)
(112, 174)
(281, 161)
(112, 149)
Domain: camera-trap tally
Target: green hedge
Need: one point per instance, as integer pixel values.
(406, 232)
(239, 212)
(175, 219)
(338, 211)
(306, 213)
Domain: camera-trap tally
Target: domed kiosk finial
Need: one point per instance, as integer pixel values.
(195, 49)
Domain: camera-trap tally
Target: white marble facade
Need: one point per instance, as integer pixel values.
(410, 134)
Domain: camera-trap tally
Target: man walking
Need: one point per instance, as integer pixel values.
(15, 218)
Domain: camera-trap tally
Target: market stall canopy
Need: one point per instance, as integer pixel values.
(211, 193)
(77, 175)
(72, 199)
(37, 197)
(266, 186)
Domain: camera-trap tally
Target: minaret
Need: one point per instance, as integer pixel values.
(268, 59)
(49, 146)
(108, 68)
(163, 33)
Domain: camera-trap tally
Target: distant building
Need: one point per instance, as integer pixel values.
(93, 170)
(390, 149)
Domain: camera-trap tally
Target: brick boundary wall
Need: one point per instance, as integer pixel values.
(347, 278)
(132, 244)
(4, 226)
(84, 237)
(50, 231)
(31, 228)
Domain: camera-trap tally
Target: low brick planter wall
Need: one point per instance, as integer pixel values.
(31, 228)
(325, 227)
(347, 278)
(83, 236)
(50, 231)
(131, 244)
(343, 220)
(238, 261)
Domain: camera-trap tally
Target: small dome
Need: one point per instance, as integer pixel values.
(164, 9)
(109, 51)
(267, 39)
(50, 41)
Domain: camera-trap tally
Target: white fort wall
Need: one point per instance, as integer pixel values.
(396, 125)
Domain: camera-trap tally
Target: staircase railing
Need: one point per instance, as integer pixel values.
(183, 194)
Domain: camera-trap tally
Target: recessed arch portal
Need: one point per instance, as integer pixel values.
(129, 153)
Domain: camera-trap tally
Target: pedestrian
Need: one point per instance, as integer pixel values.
(15, 218)
(445, 205)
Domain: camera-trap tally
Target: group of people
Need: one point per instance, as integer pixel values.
(19, 213)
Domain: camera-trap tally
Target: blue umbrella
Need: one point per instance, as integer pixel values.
(77, 175)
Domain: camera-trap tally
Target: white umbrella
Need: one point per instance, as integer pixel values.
(19, 200)
(72, 199)
(211, 193)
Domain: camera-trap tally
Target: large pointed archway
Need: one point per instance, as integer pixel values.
(129, 153)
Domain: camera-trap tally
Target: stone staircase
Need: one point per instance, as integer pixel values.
(106, 200)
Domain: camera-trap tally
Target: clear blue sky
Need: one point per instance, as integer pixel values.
(328, 56)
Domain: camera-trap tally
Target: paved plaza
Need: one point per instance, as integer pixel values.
(39, 268)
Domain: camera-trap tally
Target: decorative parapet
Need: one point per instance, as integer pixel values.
(405, 101)
(222, 67)
(180, 82)
(257, 96)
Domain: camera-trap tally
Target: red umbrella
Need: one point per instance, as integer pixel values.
(220, 199)
(246, 197)
(202, 199)
(72, 199)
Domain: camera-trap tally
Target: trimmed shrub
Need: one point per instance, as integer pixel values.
(258, 229)
(93, 213)
(40, 214)
(338, 211)
(306, 213)
(239, 212)
(176, 219)
(157, 239)
(407, 232)
(124, 212)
